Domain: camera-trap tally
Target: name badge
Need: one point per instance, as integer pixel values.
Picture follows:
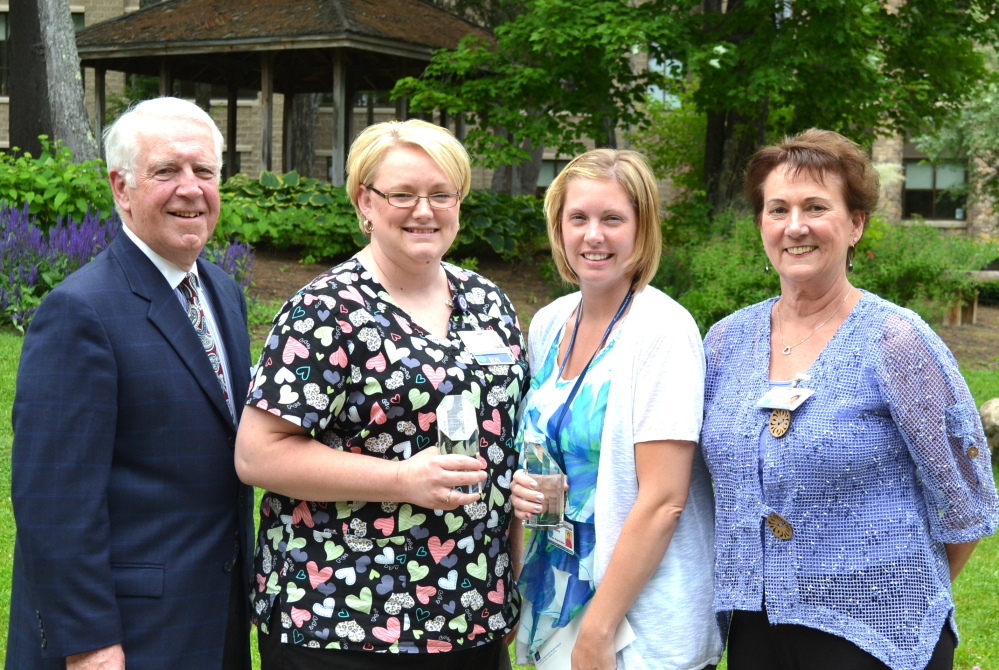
(784, 397)
(486, 347)
(564, 537)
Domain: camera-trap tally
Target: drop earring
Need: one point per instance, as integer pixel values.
(766, 267)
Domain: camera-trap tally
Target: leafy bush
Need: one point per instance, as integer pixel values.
(33, 261)
(510, 227)
(53, 186)
(291, 212)
(907, 265)
(716, 277)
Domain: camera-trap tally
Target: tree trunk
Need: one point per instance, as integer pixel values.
(529, 170)
(730, 143)
(519, 178)
(46, 92)
(731, 137)
(304, 114)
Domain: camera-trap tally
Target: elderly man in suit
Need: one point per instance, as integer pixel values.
(133, 532)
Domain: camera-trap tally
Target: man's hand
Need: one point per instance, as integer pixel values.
(108, 658)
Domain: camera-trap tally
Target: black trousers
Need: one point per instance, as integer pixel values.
(755, 644)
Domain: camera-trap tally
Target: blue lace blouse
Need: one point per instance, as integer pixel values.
(885, 463)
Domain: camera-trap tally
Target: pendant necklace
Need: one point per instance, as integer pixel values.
(787, 349)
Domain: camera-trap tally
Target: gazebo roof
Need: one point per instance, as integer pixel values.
(219, 41)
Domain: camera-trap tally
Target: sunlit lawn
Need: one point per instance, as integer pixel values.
(976, 592)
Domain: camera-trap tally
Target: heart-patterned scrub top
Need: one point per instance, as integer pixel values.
(344, 361)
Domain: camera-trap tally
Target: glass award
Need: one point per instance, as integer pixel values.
(544, 469)
(458, 433)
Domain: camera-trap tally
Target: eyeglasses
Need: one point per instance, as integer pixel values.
(407, 200)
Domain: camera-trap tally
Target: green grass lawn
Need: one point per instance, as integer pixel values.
(976, 591)
(10, 352)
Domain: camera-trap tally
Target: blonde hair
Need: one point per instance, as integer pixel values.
(632, 172)
(371, 145)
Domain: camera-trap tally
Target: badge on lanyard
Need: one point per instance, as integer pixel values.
(486, 347)
(564, 537)
(783, 400)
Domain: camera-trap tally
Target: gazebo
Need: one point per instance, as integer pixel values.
(283, 46)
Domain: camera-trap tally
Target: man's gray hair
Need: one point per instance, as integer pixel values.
(121, 141)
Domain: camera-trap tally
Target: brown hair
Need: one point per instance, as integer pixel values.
(632, 172)
(817, 153)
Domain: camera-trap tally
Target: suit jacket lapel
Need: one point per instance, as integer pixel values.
(168, 316)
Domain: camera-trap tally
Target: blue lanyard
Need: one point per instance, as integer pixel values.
(559, 458)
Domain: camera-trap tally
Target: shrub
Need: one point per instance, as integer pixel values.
(54, 187)
(716, 277)
(511, 227)
(291, 212)
(907, 265)
(33, 261)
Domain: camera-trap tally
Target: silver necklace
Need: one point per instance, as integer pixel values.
(787, 349)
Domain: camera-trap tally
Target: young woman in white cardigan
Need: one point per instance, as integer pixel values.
(616, 396)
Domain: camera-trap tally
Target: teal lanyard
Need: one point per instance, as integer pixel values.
(559, 458)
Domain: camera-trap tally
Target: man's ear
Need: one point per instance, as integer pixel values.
(119, 190)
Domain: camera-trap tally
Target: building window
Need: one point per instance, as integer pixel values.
(928, 191)
(4, 58)
(79, 22)
(671, 69)
(550, 168)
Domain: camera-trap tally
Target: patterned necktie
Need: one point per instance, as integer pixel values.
(196, 314)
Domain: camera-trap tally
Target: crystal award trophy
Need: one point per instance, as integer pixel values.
(544, 469)
(458, 433)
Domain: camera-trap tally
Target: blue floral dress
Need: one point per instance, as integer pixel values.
(554, 584)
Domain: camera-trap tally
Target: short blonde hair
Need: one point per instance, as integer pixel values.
(371, 145)
(632, 172)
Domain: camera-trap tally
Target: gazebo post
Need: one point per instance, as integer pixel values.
(166, 78)
(287, 143)
(339, 116)
(100, 77)
(230, 129)
(267, 109)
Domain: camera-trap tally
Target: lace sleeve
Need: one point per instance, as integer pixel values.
(936, 415)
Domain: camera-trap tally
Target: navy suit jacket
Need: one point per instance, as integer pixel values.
(129, 511)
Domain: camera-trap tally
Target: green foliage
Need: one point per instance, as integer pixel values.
(507, 226)
(53, 185)
(672, 139)
(862, 67)
(570, 64)
(856, 66)
(907, 265)
(290, 211)
(716, 277)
